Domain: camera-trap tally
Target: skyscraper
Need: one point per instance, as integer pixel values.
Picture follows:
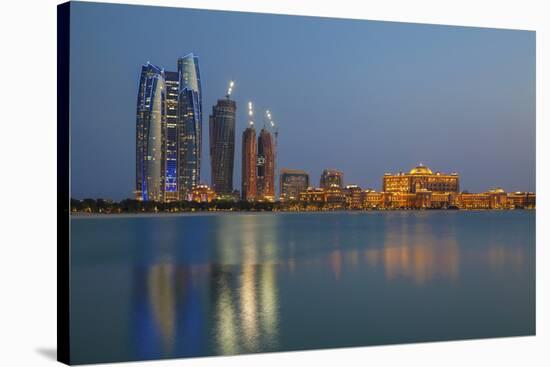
(150, 134)
(189, 124)
(266, 165)
(171, 166)
(248, 189)
(332, 177)
(222, 144)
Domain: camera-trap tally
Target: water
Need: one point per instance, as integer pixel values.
(184, 286)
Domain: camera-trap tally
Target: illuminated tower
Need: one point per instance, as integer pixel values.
(171, 165)
(222, 143)
(266, 165)
(248, 189)
(150, 134)
(189, 124)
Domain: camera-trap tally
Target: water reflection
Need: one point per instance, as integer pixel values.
(336, 263)
(501, 257)
(169, 309)
(161, 290)
(412, 250)
(226, 328)
(246, 309)
(409, 248)
(197, 286)
(236, 299)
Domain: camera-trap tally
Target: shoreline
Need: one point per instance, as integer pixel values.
(81, 215)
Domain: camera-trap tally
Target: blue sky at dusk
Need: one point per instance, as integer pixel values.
(365, 97)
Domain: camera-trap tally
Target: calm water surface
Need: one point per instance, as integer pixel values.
(183, 286)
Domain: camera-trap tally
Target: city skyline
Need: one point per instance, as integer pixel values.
(473, 114)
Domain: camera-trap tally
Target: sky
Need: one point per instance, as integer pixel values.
(365, 97)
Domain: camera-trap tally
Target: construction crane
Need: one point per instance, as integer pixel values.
(250, 114)
(275, 130)
(230, 89)
(272, 125)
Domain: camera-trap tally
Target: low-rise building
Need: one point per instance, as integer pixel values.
(373, 199)
(202, 194)
(313, 197)
(335, 197)
(468, 200)
(354, 197)
(521, 200)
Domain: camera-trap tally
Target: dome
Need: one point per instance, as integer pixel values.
(420, 170)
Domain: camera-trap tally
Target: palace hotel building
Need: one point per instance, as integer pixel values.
(420, 179)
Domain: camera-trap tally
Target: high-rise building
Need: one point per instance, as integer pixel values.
(331, 177)
(222, 144)
(150, 134)
(248, 189)
(291, 183)
(171, 166)
(189, 124)
(266, 166)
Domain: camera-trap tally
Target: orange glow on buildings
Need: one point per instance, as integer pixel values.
(420, 188)
(248, 189)
(202, 194)
(420, 178)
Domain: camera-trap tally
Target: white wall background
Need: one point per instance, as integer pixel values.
(28, 210)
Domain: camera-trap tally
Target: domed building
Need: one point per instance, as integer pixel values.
(420, 170)
(421, 179)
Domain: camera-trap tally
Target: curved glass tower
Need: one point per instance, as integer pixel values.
(150, 134)
(189, 124)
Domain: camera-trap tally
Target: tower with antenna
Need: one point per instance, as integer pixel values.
(222, 143)
(230, 89)
(249, 159)
(275, 131)
(272, 126)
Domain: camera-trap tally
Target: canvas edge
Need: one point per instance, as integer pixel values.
(63, 182)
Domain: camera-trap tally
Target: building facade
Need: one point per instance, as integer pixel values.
(291, 183)
(521, 200)
(222, 145)
(189, 124)
(331, 177)
(420, 178)
(150, 134)
(313, 198)
(171, 144)
(373, 199)
(202, 194)
(354, 197)
(335, 197)
(249, 153)
(266, 166)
